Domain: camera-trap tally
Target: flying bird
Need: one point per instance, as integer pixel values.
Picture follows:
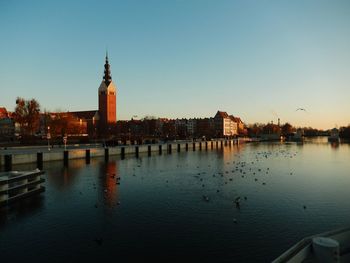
(301, 109)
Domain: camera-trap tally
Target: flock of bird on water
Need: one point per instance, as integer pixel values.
(243, 169)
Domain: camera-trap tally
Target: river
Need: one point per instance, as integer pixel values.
(179, 207)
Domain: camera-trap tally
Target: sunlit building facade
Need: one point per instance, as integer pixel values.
(225, 125)
(107, 100)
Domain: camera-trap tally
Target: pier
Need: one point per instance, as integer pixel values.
(18, 185)
(8, 158)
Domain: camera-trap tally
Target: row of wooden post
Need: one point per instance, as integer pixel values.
(39, 159)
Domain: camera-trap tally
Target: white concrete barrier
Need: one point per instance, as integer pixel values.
(114, 151)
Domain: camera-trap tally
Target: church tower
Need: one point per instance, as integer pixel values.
(107, 99)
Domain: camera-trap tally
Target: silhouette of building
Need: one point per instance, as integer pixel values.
(205, 127)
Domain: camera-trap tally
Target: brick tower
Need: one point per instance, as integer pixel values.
(107, 100)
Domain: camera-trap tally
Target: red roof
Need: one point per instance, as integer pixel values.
(3, 113)
(238, 119)
(233, 118)
(87, 115)
(222, 114)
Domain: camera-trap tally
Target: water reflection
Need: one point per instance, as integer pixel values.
(335, 145)
(61, 176)
(110, 181)
(287, 192)
(21, 209)
(226, 153)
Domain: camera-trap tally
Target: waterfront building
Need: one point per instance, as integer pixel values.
(233, 124)
(57, 125)
(241, 129)
(168, 129)
(205, 128)
(225, 125)
(7, 125)
(7, 129)
(181, 127)
(271, 132)
(89, 119)
(107, 100)
(191, 126)
(151, 127)
(102, 121)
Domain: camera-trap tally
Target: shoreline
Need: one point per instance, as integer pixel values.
(42, 154)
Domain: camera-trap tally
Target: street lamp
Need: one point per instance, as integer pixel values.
(48, 137)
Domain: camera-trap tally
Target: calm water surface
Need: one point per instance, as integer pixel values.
(158, 211)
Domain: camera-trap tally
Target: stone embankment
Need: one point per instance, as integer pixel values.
(38, 156)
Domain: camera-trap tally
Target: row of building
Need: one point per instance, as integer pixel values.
(79, 124)
(7, 125)
(221, 125)
(102, 123)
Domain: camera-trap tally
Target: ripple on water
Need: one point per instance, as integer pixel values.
(158, 208)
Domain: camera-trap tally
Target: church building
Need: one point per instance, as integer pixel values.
(99, 121)
(107, 99)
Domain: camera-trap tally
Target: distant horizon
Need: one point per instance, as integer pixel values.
(183, 59)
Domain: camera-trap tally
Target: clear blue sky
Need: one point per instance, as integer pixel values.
(254, 59)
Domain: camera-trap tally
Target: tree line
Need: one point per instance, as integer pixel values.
(32, 122)
(27, 116)
(344, 132)
(286, 129)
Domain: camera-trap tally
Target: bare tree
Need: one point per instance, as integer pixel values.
(27, 114)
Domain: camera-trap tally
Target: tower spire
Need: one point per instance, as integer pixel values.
(107, 78)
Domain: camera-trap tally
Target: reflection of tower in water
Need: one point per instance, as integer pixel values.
(110, 183)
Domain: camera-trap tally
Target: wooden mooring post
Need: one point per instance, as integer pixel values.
(87, 156)
(65, 157)
(39, 160)
(8, 162)
(149, 150)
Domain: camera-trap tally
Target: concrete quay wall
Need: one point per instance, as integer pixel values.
(7, 160)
